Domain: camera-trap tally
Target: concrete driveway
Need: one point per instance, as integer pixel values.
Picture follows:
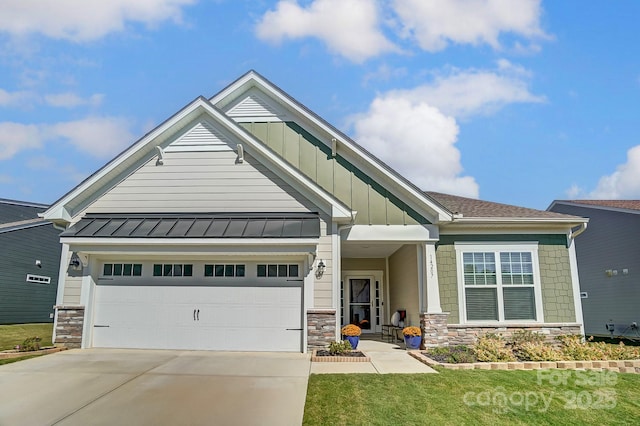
(144, 387)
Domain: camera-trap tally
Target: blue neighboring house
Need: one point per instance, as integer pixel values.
(608, 254)
(29, 263)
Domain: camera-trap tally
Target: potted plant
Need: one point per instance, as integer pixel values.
(351, 332)
(412, 337)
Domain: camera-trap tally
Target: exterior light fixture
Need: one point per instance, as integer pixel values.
(320, 268)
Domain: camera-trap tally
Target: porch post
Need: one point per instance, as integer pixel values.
(431, 279)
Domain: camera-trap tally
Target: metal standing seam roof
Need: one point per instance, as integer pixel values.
(215, 225)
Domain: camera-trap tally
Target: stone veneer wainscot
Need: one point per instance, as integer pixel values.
(69, 323)
(321, 328)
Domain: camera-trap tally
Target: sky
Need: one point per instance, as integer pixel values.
(519, 102)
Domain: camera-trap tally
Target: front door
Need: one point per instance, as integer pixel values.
(362, 302)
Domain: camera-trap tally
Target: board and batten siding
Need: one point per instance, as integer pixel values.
(201, 182)
(375, 205)
(22, 301)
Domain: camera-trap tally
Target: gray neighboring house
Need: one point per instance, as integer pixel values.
(609, 265)
(29, 263)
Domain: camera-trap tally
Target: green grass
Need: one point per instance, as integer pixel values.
(443, 399)
(12, 335)
(20, 358)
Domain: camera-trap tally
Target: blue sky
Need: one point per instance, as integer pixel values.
(516, 102)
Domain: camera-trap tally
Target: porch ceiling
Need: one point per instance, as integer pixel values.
(368, 250)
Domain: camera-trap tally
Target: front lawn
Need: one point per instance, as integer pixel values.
(12, 335)
(543, 397)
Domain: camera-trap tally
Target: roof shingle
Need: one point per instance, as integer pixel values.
(473, 208)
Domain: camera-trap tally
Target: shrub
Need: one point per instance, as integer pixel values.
(574, 349)
(452, 354)
(492, 348)
(525, 336)
(412, 331)
(351, 330)
(339, 348)
(537, 351)
(30, 344)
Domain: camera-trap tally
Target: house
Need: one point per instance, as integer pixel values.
(608, 260)
(29, 263)
(247, 222)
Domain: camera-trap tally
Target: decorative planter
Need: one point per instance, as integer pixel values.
(354, 340)
(412, 342)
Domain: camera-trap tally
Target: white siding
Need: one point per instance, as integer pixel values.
(323, 295)
(256, 106)
(201, 182)
(72, 289)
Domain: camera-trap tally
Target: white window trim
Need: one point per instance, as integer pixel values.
(38, 279)
(497, 247)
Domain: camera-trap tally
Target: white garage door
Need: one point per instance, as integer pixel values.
(231, 318)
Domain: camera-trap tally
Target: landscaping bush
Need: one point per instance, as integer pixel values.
(492, 348)
(525, 336)
(30, 344)
(536, 351)
(452, 354)
(339, 348)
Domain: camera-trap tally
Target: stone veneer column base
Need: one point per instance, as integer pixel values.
(467, 334)
(434, 329)
(321, 328)
(70, 320)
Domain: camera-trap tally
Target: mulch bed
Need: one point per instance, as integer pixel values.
(322, 355)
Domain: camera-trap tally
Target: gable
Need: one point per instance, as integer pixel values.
(255, 104)
(200, 172)
(197, 133)
(384, 189)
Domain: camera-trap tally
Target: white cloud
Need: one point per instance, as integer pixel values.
(16, 137)
(19, 98)
(470, 92)
(82, 20)
(624, 183)
(72, 100)
(436, 24)
(417, 140)
(348, 27)
(100, 137)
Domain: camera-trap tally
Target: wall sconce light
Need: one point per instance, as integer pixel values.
(75, 263)
(320, 268)
(39, 263)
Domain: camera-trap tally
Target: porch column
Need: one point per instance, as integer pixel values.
(431, 279)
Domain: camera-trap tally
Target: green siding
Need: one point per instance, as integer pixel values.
(375, 205)
(555, 273)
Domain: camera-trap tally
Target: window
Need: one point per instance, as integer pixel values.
(499, 282)
(40, 279)
(224, 270)
(278, 271)
(122, 270)
(172, 270)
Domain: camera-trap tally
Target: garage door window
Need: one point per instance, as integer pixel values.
(221, 270)
(278, 270)
(172, 270)
(122, 270)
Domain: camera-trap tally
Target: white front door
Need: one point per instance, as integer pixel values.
(362, 302)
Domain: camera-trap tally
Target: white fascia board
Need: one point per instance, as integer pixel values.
(392, 233)
(253, 79)
(58, 212)
(572, 221)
